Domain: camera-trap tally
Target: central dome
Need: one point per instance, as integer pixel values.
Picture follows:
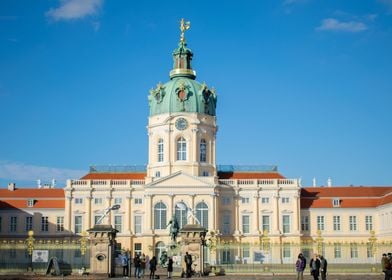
(182, 93)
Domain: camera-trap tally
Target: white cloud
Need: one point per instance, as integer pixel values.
(332, 24)
(12, 171)
(74, 9)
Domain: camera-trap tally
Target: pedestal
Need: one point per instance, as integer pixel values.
(192, 238)
(102, 246)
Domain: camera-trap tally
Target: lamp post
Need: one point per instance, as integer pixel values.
(203, 244)
(30, 247)
(106, 212)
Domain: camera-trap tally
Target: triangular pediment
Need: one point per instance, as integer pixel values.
(181, 179)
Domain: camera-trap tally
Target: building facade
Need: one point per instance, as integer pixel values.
(253, 214)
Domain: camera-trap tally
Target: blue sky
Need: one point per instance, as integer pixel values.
(305, 85)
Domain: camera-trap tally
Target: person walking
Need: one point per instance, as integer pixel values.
(124, 264)
(142, 265)
(188, 264)
(153, 267)
(136, 264)
(300, 266)
(386, 266)
(315, 267)
(323, 268)
(170, 267)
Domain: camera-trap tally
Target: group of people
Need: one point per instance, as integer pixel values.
(317, 265)
(386, 265)
(140, 262)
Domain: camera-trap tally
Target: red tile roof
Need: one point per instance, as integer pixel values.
(250, 175)
(43, 198)
(350, 197)
(114, 176)
(32, 193)
(22, 203)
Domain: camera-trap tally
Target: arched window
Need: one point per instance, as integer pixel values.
(160, 216)
(203, 150)
(181, 216)
(160, 247)
(160, 150)
(181, 149)
(202, 214)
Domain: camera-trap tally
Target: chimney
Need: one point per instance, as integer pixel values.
(53, 183)
(314, 182)
(39, 183)
(11, 187)
(329, 182)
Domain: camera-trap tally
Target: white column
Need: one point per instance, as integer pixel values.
(257, 213)
(129, 213)
(275, 208)
(109, 216)
(237, 212)
(87, 225)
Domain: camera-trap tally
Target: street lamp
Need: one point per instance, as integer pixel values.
(107, 211)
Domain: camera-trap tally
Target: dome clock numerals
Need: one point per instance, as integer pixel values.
(181, 124)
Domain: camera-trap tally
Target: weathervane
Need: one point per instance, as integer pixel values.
(184, 26)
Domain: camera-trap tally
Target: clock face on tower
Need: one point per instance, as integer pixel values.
(181, 124)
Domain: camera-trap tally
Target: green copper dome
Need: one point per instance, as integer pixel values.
(182, 93)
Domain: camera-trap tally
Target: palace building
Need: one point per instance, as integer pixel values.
(269, 217)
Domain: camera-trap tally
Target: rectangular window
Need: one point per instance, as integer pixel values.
(226, 200)
(245, 200)
(305, 223)
(286, 250)
(60, 224)
(78, 200)
(354, 250)
(29, 223)
(226, 224)
(13, 224)
(118, 223)
(138, 224)
(245, 224)
(226, 256)
(337, 250)
(1, 224)
(369, 250)
(336, 223)
(369, 223)
(96, 219)
(245, 252)
(12, 253)
(138, 200)
(138, 248)
(285, 200)
(265, 221)
(286, 223)
(98, 201)
(30, 202)
(45, 224)
(336, 202)
(320, 222)
(160, 150)
(118, 200)
(78, 224)
(265, 200)
(353, 223)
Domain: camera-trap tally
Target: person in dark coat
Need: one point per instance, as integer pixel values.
(170, 267)
(315, 267)
(323, 268)
(153, 267)
(188, 264)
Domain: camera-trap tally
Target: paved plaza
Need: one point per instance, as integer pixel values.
(226, 277)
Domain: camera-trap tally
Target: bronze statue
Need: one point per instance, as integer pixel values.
(174, 228)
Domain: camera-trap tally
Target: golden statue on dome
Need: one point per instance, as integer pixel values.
(184, 26)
